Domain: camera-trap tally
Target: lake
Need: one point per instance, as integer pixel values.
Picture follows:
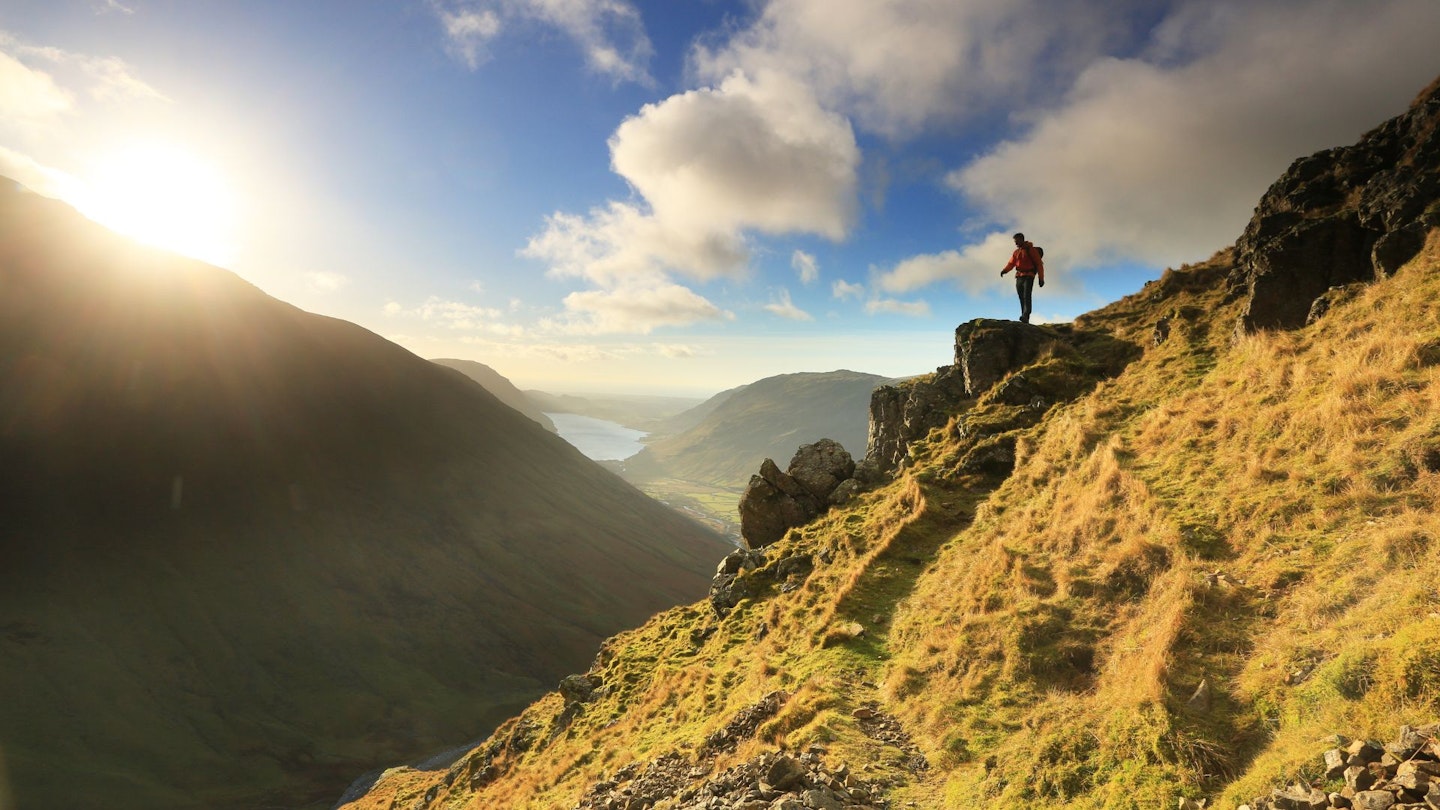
(598, 439)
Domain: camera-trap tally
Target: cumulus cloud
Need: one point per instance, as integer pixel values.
(842, 289)
(785, 308)
(898, 66)
(619, 242)
(611, 33)
(975, 269)
(711, 165)
(1161, 158)
(916, 309)
(805, 265)
(752, 153)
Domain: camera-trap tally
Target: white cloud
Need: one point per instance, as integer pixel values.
(108, 78)
(619, 242)
(636, 309)
(611, 33)
(805, 264)
(29, 94)
(1161, 159)
(711, 166)
(975, 269)
(916, 309)
(785, 308)
(468, 33)
(899, 65)
(843, 289)
(749, 154)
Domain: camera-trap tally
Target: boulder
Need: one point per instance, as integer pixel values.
(768, 510)
(776, 501)
(820, 467)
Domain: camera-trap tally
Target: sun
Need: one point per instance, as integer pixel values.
(165, 196)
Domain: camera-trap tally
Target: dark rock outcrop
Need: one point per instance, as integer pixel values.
(901, 414)
(777, 501)
(1340, 216)
(986, 350)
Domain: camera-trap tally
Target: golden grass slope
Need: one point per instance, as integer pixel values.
(1254, 514)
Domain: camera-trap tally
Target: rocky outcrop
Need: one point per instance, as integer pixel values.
(776, 501)
(986, 351)
(900, 414)
(1340, 216)
(1403, 773)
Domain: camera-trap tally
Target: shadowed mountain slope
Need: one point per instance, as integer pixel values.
(250, 552)
(1157, 561)
(740, 428)
(501, 387)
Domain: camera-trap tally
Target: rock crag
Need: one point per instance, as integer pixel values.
(1341, 216)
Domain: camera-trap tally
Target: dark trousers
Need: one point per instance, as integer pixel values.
(1024, 286)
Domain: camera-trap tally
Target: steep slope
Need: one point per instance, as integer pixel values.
(502, 388)
(769, 417)
(1171, 584)
(251, 552)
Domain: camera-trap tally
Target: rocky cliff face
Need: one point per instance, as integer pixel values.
(1341, 216)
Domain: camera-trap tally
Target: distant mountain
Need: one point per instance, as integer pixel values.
(502, 388)
(250, 552)
(727, 437)
(637, 411)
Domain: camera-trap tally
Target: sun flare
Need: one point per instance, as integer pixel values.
(164, 196)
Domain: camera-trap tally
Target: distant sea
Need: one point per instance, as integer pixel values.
(598, 439)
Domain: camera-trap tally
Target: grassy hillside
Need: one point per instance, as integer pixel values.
(250, 553)
(502, 388)
(1257, 513)
(768, 418)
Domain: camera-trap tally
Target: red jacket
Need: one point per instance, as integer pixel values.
(1025, 262)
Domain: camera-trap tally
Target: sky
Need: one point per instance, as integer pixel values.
(681, 196)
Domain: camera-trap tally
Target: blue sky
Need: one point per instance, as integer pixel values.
(680, 196)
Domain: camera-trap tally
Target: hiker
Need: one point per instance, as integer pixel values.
(1028, 262)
